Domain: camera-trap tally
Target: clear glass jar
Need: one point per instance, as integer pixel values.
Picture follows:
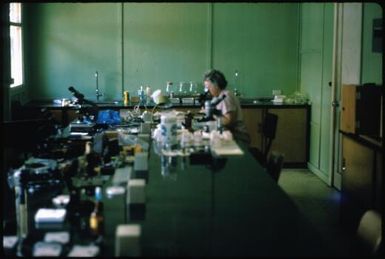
(169, 89)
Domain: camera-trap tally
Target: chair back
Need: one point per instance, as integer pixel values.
(270, 125)
(269, 129)
(274, 165)
(369, 231)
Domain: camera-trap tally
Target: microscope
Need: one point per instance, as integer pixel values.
(210, 111)
(35, 177)
(87, 114)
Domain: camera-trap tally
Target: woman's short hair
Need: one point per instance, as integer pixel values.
(216, 77)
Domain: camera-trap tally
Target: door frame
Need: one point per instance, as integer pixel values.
(346, 70)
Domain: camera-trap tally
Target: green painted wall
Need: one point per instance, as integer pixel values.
(260, 41)
(371, 61)
(165, 42)
(311, 70)
(67, 42)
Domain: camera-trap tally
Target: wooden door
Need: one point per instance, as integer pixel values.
(348, 106)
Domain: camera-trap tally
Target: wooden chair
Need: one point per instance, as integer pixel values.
(369, 232)
(274, 165)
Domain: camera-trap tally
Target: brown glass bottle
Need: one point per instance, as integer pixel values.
(96, 217)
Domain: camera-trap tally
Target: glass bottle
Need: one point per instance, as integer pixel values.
(92, 160)
(181, 89)
(96, 217)
(126, 97)
(141, 94)
(82, 159)
(193, 89)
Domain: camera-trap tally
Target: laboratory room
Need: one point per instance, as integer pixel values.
(192, 129)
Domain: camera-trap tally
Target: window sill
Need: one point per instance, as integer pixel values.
(17, 90)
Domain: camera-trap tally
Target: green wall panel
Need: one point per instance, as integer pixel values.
(314, 144)
(69, 42)
(165, 42)
(316, 73)
(260, 41)
(371, 61)
(311, 26)
(325, 133)
(311, 78)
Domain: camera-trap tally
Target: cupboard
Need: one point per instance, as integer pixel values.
(362, 173)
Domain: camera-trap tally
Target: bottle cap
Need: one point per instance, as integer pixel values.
(98, 193)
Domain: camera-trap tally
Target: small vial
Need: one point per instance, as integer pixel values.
(98, 194)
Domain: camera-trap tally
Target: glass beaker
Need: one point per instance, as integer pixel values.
(193, 88)
(169, 88)
(183, 87)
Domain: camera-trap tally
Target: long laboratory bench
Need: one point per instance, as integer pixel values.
(235, 210)
(292, 135)
(201, 205)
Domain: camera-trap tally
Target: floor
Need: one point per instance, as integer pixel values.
(320, 204)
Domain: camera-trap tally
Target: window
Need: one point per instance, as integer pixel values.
(16, 44)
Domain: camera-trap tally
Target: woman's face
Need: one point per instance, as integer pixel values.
(213, 88)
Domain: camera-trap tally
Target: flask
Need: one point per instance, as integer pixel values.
(96, 217)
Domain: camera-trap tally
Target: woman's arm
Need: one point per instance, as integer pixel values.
(228, 119)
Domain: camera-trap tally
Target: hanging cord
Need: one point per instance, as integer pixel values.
(136, 109)
(153, 109)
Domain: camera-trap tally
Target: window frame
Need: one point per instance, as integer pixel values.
(17, 88)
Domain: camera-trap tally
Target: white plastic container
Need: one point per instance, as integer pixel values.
(168, 124)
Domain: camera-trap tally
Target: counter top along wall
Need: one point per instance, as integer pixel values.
(247, 103)
(292, 137)
(373, 143)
